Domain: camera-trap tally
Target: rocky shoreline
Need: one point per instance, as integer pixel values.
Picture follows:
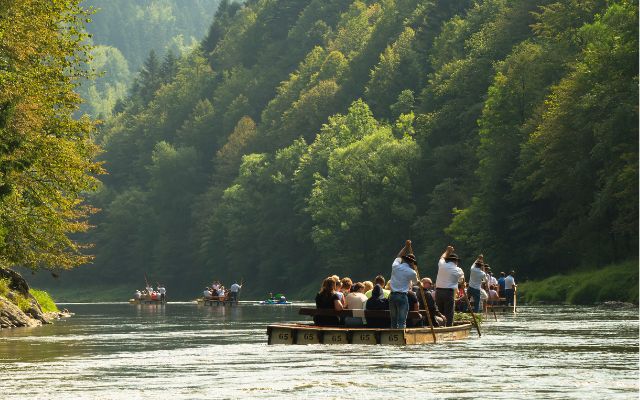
(30, 314)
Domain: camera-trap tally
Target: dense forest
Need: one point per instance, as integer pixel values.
(302, 138)
(123, 32)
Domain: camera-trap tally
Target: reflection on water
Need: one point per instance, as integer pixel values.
(132, 351)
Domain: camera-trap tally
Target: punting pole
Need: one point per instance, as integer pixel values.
(424, 298)
(466, 296)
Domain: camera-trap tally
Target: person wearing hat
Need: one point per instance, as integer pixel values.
(476, 276)
(509, 287)
(437, 319)
(402, 275)
(447, 282)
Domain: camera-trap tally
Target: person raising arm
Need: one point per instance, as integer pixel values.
(402, 275)
(447, 282)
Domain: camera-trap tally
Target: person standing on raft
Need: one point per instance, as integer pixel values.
(402, 275)
(447, 283)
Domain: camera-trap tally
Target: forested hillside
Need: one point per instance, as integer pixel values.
(309, 137)
(124, 32)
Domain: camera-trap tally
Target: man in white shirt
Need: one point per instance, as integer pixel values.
(447, 283)
(509, 287)
(402, 275)
(163, 292)
(233, 292)
(476, 277)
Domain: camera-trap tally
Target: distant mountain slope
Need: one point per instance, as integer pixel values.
(125, 31)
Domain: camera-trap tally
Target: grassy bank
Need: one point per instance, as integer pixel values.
(46, 302)
(618, 282)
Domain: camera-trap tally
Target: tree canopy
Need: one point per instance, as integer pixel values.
(308, 137)
(46, 156)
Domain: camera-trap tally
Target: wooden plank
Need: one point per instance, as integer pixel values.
(418, 337)
(281, 336)
(307, 336)
(335, 337)
(364, 337)
(392, 336)
(310, 334)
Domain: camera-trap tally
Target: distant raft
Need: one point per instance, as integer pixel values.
(146, 301)
(216, 300)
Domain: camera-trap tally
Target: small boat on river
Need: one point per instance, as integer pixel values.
(277, 300)
(274, 302)
(296, 333)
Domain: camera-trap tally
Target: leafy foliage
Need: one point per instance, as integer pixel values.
(46, 156)
(44, 299)
(308, 137)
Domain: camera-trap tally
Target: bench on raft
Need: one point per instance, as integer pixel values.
(375, 314)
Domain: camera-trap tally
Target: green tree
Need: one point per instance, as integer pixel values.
(582, 159)
(364, 202)
(46, 156)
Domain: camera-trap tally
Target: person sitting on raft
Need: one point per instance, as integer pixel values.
(327, 299)
(207, 293)
(356, 299)
(436, 316)
(137, 295)
(377, 302)
(378, 281)
(345, 289)
(494, 298)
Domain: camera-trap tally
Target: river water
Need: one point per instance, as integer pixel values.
(122, 351)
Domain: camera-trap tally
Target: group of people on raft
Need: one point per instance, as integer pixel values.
(148, 293)
(217, 291)
(404, 293)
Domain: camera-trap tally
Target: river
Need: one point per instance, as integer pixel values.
(181, 350)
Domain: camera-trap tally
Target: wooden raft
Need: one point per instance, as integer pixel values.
(501, 305)
(146, 301)
(312, 334)
(215, 300)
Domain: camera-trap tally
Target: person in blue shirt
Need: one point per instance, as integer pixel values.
(501, 284)
(403, 274)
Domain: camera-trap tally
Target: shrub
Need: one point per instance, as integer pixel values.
(4, 286)
(22, 302)
(586, 287)
(46, 302)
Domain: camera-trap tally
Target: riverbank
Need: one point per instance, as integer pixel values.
(21, 306)
(618, 282)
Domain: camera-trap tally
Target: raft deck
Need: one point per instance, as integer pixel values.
(147, 301)
(216, 300)
(311, 334)
(296, 333)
